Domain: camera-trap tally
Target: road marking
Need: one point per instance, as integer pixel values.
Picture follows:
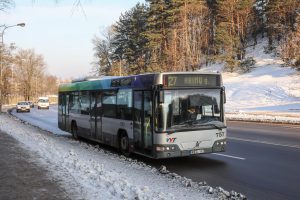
(224, 155)
(291, 127)
(264, 142)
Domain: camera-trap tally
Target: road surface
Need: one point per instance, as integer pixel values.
(262, 161)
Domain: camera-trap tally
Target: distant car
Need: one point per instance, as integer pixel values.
(43, 102)
(23, 106)
(31, 104)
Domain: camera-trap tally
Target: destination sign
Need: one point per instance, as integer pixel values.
(191, 80)
(121, 82)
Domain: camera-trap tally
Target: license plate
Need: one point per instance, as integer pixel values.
(196, 151)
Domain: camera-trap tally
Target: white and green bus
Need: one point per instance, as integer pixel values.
(159, 115)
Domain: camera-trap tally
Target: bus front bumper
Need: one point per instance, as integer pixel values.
(174, 150)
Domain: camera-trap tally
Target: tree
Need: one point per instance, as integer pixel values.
(6, 72)
(232, 29)
(29, 71)
(103, 53)
(158, 30)
(280, 19)
(129, 42)
(5, 4)
(290, 47)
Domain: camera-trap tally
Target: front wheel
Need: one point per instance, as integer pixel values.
(124, 145)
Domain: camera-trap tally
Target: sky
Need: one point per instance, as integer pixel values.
(62, 32)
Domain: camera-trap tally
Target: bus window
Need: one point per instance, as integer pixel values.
(109, 101)
(85, 103)
(74, 103)
(124, 104)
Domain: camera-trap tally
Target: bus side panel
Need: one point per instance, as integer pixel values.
(110, 128)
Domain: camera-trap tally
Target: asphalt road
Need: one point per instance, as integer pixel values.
(262, 161)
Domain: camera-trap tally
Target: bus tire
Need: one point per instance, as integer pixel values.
(74, 130)
(124, 144)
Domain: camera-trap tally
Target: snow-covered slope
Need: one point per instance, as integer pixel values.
(268, 93)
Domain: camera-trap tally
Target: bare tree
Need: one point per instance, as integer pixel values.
(29, 71)
(5, 5)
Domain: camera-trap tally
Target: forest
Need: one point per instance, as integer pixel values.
(185, 35)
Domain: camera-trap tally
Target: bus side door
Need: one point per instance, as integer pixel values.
(95, 116)
(63, 111)
(142, 131)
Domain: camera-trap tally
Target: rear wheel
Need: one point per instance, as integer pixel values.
(74, 130)
(124, 144)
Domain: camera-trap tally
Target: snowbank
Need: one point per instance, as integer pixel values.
(268, 93)
(89, 172)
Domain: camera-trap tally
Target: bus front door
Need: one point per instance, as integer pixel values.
(63, 117)
(95, 116)
(142, 132)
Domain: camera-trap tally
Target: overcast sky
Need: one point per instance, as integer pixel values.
(61, 32)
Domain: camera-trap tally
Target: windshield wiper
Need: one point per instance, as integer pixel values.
(209, 124)
(187, 122)
(218, 127)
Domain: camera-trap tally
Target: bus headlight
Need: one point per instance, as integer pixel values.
(161, 148)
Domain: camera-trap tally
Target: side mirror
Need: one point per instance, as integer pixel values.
(224, 94)
(160, 93)
(161, 98)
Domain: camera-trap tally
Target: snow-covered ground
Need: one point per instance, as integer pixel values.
(268, 93)
(91, 172)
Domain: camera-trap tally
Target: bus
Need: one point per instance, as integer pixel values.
(158, 115)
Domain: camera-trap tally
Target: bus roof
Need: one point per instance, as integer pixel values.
(141, 81)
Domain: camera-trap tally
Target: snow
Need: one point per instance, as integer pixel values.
(91, 172)
(269, 93)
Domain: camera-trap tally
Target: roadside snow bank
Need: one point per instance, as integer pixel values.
(288, 118)
(89, 172)
(269, 93)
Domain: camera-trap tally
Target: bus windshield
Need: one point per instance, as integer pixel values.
(189, 108)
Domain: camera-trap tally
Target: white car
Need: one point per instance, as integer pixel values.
(43, 102)
(23, 106)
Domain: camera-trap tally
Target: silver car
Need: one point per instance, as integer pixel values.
(23, 106)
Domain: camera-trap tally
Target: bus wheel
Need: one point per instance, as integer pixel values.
(74, 130)
(124, 144)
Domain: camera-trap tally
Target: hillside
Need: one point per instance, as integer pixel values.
(270, 92)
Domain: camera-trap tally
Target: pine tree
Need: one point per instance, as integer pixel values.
(130, 41)
(232, 30)
(158, 28)
(280, 19)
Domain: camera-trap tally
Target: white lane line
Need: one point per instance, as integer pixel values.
(224, 155)
(291, 127)
(265, 142)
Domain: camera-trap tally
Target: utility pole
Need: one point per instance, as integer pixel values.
(1, 59)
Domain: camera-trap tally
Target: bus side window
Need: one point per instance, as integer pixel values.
(85, 104)
(109, 104)
(124, 104)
